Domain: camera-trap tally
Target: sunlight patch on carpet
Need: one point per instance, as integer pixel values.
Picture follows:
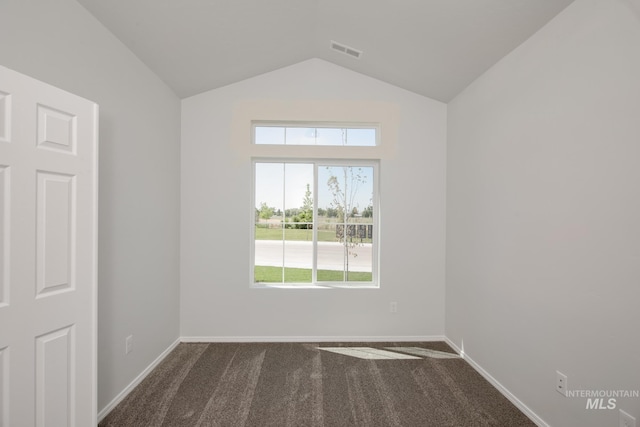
(368, 353)
(425, 352)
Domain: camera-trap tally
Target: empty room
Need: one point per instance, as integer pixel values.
(320, 212)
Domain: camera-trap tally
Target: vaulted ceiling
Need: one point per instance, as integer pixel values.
(431, 47)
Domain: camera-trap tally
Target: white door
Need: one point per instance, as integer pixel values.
(48, 226)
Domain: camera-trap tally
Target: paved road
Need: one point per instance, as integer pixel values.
(299, 254)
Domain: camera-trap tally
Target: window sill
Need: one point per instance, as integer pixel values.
(312, 286)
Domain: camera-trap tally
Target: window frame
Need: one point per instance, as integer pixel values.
(316, 125)
(375, 244)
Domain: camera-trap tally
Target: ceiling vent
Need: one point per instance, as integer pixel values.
(343, 48)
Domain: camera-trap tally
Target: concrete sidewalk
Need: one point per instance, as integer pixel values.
(299, 254)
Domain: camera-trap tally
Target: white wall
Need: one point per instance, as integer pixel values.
(216, 298)
(543, 260)
(543, 219)
(62, 44)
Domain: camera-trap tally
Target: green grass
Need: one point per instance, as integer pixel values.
(295, 234)
(337, 276)
(265, 274)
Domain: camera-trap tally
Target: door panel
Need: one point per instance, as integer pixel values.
(4, 233)
(48, 225)
(55, 388)
(55, 230)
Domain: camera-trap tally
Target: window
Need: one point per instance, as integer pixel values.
(315, 222)
(327, 134)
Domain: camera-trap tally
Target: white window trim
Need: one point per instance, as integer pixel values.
(375, 279)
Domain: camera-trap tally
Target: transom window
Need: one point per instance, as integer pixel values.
(315, 222)
(326, 134)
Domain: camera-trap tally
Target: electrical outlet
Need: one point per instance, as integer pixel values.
(128, 344)
(626, 420)
(393, 307)
(561, 383)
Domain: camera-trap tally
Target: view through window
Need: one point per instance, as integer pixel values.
(302, 134)
(315, 222)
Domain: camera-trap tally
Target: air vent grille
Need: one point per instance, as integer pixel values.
(347, 50)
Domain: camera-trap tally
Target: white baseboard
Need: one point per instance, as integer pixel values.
(105, 411)
(502, 389)
(312, 339)
(454, 346)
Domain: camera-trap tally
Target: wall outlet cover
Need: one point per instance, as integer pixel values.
(561, 383)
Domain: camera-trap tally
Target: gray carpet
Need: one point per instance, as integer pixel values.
(294, 384)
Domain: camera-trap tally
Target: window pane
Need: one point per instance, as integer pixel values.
(298, 196)
(361, 137)
(301, 136)
(269, 242)
(284, 222)
(331, 136)
(345, 231)
(269, 135)
(325, 136)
